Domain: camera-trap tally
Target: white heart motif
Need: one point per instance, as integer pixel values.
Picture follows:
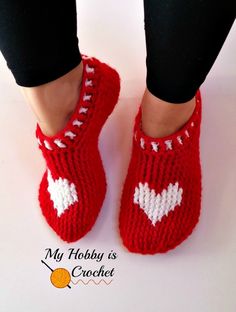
(62, 193)
(156, 206)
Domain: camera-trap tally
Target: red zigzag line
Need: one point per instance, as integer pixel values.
(91, 280)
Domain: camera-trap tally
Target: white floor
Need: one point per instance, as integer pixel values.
(200, 275)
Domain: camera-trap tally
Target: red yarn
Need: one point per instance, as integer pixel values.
(73, 186)
(161, 197)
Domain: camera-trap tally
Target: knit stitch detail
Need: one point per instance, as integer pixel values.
(73, 186)
(161, 196)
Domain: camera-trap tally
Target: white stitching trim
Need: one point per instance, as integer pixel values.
(77, 122)
(187, 133)
(142, 143)
(70, 134)
(87, 97)
(89, 69)
(179, 139)
(155, 146)
(168, 144)
(88, 83)
(59, 143)
(83, 110)
(39, 142)
(47, 145)
(192, 124)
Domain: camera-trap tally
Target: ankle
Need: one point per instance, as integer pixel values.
(160, 118)
(53, 103)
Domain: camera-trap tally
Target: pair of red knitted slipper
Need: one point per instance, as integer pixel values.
(161, 197)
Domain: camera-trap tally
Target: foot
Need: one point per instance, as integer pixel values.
(54, 102)
(161, 197)
(73, 187)
(160, 118)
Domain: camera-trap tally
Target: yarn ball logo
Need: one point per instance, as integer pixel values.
(60, 277)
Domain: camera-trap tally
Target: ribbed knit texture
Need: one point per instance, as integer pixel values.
(161, 197)
(73, 186)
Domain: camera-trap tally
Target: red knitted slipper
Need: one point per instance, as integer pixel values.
(73, 186)
(161, 197)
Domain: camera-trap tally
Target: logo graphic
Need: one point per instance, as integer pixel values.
(62, 278)
(156, 206)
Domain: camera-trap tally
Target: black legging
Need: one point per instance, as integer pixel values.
(183, 38)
